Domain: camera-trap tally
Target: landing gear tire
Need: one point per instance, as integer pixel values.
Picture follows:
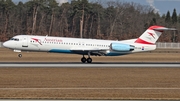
(83, 60)
(89, 60)
(19, 55)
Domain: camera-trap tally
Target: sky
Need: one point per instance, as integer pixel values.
(160, 6)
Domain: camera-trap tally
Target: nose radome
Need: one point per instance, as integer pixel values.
(5, 44)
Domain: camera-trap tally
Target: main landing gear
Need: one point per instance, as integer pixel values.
(83, 59)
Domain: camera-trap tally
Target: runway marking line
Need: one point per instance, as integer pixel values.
(148, 88)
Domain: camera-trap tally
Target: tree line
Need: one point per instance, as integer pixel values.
(80, 18)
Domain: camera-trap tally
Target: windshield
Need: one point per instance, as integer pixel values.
(15, 39)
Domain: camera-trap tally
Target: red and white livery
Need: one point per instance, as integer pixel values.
(146, 42)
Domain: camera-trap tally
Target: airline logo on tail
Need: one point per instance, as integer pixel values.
(151, 34)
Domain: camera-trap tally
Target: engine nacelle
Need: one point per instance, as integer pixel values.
(121, 47)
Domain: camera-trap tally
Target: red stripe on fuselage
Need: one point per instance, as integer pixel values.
(143, 42)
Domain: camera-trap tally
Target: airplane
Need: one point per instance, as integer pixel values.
(90, 47)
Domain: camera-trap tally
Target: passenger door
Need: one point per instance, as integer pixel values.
(25, 41)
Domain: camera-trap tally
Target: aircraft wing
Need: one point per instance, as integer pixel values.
(86, 49)
(93, 51)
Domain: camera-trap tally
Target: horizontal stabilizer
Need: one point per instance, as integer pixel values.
(162, 28)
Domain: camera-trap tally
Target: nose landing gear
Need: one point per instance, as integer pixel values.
(19, 55)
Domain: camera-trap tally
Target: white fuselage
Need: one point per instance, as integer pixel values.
(72, 45)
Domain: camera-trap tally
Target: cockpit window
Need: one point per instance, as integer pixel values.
(15, 39)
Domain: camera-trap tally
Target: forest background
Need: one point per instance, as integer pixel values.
(80, 18)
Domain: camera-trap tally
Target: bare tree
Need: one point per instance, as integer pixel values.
(35, 11)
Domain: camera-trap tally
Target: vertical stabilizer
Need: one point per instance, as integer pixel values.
(152, 34)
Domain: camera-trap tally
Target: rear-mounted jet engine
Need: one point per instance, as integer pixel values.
(121, 47)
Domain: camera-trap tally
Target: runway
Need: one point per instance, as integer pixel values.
(89, 83)
(95, 64)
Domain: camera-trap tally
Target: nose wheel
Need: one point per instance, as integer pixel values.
(19, 55)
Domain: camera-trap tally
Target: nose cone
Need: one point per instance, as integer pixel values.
(6, 44)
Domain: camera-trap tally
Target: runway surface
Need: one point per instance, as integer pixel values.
(95, 64)
(89, 83)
